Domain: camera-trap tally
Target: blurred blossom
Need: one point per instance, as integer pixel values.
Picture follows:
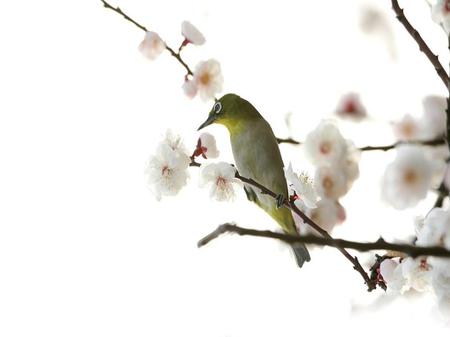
(190, 88)
(152, 45)
(325, 144)
(331, 182)
(302, 188)
(327, 215)
(221, 178)
(167, 169)
(435, 230)
(206, 146)
(192, 34)
(440, 282)
(440, 12)
(407, 129)
(208, 79)
(434, 117)
(407, 179)
(350, 107)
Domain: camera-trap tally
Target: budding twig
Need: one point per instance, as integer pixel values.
(434, 59)
(172, 52)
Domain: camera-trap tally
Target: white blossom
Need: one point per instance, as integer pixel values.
(208, 79)
(189, 88)
(192, 34)
(407, 129)
(416, 273)
(331, 182)
(350, 107)
(302, 188)
(435, 230)
(392, 274)
(206, 146)
(167, 171)
(221, 179)
(407, 179)
(325, 144)
(440, 12)
(152, 45)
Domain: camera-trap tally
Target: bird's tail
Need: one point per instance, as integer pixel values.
(301, 254)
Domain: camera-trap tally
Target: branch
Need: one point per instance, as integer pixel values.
(371, 284)
(380, 244)
(434, 59)
(433, 142)
(172, 52)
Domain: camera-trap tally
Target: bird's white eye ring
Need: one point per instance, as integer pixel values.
(217, 107)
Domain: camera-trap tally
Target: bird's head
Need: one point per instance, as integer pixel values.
(231, 111)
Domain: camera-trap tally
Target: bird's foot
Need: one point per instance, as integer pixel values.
(280, 200)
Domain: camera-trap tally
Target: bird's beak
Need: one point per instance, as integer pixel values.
(210, 120)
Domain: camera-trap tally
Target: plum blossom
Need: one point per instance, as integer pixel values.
(221, 179)
(167, 169)
(206, 146)
(302, 188)
(152, 45)
(407, 179)
(207, 79)
(350, 107)
(325, 144)
(440, 13)
(331, 182)
(192, 34)
(417, 273)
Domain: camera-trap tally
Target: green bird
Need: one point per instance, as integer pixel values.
(257, 156)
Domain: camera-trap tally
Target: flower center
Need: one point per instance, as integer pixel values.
(327, 183)
(408, 130)
(205, 78)
(325, 148)
(447, 6)
(165, 171)
(221, 182)
(350, 107)
(410, 177)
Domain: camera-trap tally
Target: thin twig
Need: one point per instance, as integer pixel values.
(434, 59)
(171, 51)
(380, 244)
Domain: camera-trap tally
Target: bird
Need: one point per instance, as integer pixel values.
(257, 156)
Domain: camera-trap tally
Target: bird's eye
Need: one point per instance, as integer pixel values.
(217, 107)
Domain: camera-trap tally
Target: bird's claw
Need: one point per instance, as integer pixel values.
(280, 200)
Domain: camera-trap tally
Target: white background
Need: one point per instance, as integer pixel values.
(85, 250)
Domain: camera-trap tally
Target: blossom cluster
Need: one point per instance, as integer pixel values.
(416, 169)
(167, 169)
(336, 162)
(206, 80)
(424, 273)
